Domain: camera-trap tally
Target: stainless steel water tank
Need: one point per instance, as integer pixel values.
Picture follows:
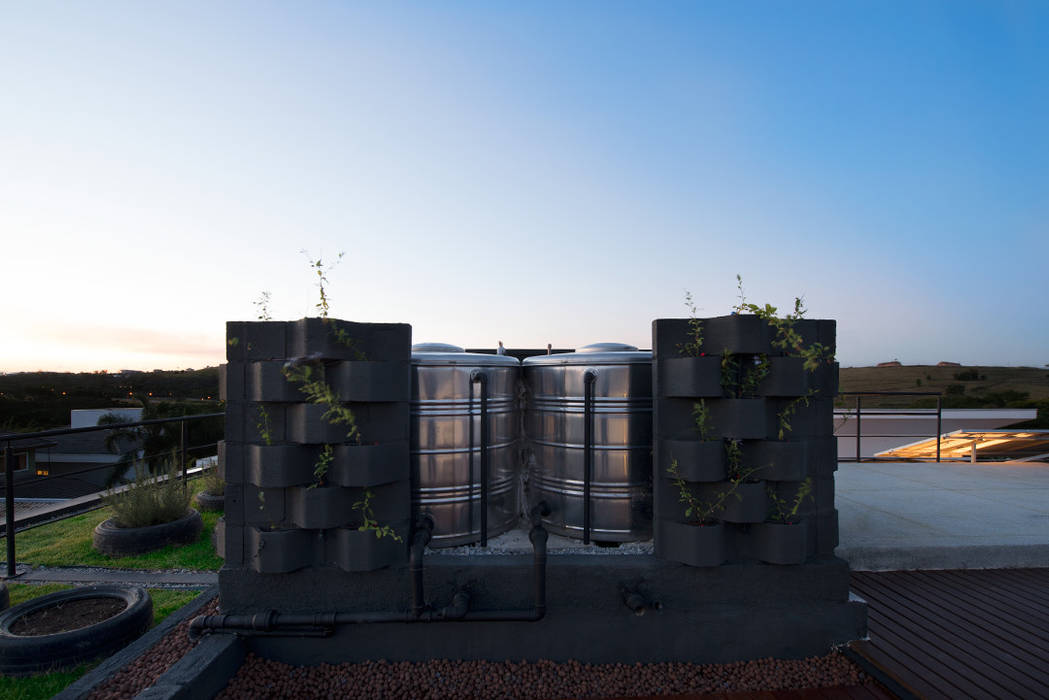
(620, 498)
(446, 435)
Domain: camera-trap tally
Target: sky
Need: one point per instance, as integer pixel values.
(527, 172)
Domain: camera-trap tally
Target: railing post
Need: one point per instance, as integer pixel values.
(9, 504)
(939, 424)
(182, 446)
(859, 425)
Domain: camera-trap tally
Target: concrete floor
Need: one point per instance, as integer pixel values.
(943, 516)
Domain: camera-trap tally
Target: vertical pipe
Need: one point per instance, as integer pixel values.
(939, 424)
(859, 426)
(588, 448)
(9, 504)
(482, 379)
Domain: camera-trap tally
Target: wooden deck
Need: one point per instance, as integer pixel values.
(959, 634)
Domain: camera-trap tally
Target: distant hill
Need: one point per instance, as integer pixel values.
(41, 400)
(974, 386)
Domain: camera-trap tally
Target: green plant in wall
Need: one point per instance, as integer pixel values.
(753, 374)
(784, 416)
(693, 347)
(369, 523)
(321, 269)
(787, 337)
(262, 424)
(701, 419)
(262, 307)
(310, 379)
(312, 384)
(730, 372)
(697, 511)
(784, 510)
(324, 460)
(705, 511)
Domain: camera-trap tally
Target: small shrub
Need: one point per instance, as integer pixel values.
(150, 500)
(955, 389)
(968, 375)
(213, 483)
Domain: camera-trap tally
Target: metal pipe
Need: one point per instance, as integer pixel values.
(481, 378)
(939, 424)
(859, 417)
(311, 625)
(588, 447)
(423, 533)
(182, 447)
(9, 504)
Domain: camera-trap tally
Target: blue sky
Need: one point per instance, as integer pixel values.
(524, 172)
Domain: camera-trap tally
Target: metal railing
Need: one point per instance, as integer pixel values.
(10, 462)
(895, 412)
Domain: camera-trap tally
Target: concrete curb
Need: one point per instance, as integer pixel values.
(82, 688)
(945, 557)
(203, 672)
(80, 575)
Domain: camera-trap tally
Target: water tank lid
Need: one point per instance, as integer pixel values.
(446, 354)
(595, 354)
(436, 347)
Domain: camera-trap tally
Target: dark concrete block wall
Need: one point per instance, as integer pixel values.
(279, 519)
(806, 451)
(291, 546)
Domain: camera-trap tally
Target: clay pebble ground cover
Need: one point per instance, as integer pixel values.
(261, 678)
(147, 668)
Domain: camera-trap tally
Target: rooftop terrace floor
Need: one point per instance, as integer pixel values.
(898, 516)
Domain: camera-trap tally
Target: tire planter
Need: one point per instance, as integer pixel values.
(124, 541)
(22, 655)
(208, 501)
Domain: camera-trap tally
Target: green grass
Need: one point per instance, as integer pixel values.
(45, 685)
(68, 543)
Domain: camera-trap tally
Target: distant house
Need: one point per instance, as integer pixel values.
(948, 364)
(894, 363)
(67, 466)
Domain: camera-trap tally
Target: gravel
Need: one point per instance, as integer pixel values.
(262, 678)
(143, 671)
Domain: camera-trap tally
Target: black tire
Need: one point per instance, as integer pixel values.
(20, 656)
(208, 501)
(124, 541)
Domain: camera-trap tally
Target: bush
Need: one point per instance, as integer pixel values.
(213, 483)
(969, 375)
(150, 500)
(955, 389)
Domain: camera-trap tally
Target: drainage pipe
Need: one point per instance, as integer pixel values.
(320, 624)
(423, 533)
(482, 378)
(588, 447)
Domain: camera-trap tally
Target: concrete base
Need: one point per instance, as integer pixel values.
(706, 615)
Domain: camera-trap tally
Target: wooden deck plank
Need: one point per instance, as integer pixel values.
(948, 632)
(1010, 587)
(1020, 599)
(959, 633)
(996, 622)
(982, 672)
(973, 598)
(899, 666)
